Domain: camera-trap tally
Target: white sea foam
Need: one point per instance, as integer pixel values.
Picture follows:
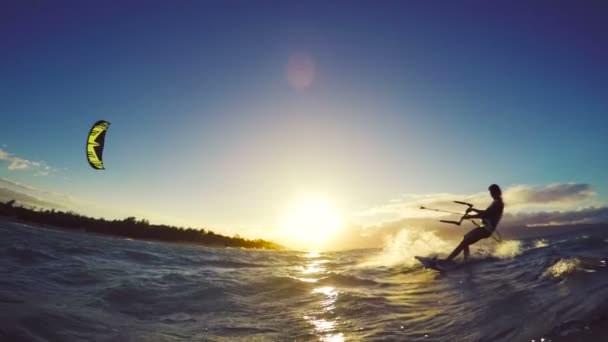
(508, 249)
(562, 268)
(401, 248)
(540, 243)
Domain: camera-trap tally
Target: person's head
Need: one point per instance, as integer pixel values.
(495, 191)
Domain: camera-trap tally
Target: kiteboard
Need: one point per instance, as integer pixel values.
(434, 265)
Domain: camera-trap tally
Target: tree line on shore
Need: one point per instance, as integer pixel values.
(129, 227)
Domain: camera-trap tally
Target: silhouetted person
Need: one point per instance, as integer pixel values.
(490, 218)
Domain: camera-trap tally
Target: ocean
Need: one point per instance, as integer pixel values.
(66, 286)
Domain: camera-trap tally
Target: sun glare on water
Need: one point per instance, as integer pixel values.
(310, 222)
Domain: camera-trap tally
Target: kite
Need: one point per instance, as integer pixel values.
(95, 142)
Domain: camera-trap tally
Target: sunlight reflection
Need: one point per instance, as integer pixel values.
(333, 338)
(311, 268)
(322, 325)
(311, 255)
(308, 280)
(321, 319)
(329, 291)
(314, 267)
(331, 295)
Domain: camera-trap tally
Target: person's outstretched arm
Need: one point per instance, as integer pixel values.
(489, 211)
(476, 216)
(478, 211)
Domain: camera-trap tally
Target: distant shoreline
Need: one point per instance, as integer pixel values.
(36, 225)
(129, 227)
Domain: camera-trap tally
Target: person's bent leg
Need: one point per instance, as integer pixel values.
(469, 239)
(472, 237)
(457, 250)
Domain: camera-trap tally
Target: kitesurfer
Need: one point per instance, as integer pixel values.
(490, 218)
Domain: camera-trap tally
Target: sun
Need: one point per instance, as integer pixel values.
(310, 222)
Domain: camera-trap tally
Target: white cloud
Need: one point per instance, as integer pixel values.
(519, 198)
(18, 163)
(525, 206)
(20, 186)
(29, 195)
(588, 215)
(408, 206)
(30, 200)
(552, 193)
(513, 225)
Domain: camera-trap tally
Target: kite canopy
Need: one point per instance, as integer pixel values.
(95, 142)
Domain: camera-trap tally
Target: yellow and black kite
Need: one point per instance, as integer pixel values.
(95, 142)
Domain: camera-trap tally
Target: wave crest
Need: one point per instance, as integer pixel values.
(562, 268)
(401, 248)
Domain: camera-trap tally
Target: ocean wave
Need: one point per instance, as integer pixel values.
(230, 264)
(28, 255)
(594, 328)
(541, 243)
(79, 250)
(110, 289)
(562, 268)
(572, 265)
(143, 257)
(77, 278)
(402, 248)
(277, 287)
(337, 279)
(508, 249)
(147, 300)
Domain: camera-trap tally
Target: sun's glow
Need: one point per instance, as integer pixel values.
(311, 221)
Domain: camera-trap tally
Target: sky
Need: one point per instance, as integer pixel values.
(233, 115)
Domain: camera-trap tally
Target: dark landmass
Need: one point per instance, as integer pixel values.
(129, 227)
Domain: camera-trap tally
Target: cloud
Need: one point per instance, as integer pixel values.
(519, 198)
(512, 226)
(31, 196)
(549, 194)
(589, 215)
(27, 195)
(14, 184)
(27, 200)
(408, 207)
(18, 163)
(527, 207)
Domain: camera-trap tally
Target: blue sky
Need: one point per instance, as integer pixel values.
(407, 98)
